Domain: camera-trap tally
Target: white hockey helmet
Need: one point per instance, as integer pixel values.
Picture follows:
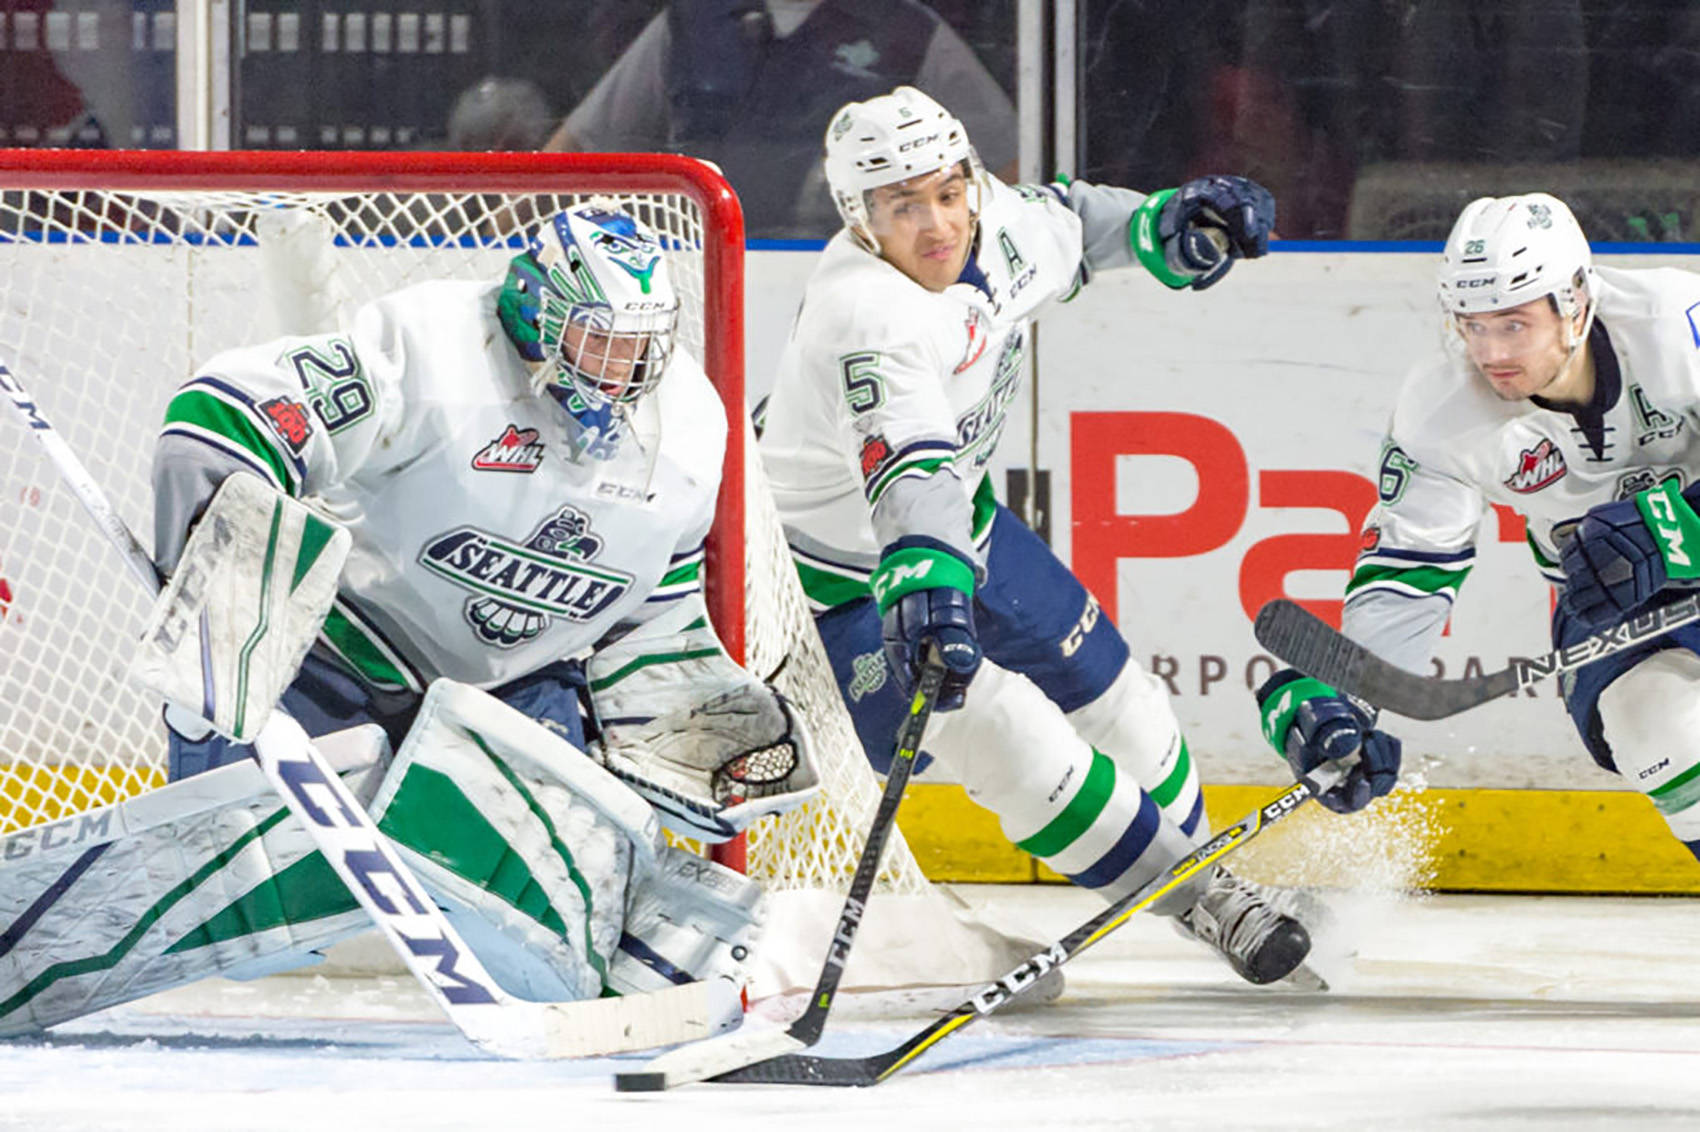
(606, 311)
(892, 138)
(1506, 251)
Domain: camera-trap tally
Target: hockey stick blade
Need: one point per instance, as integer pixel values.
(374, 873)
(710, 1059)
(809, 1069)
(1317, 649)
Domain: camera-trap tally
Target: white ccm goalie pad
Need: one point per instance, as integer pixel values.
(552, 869)
(228, 633)
(709, 745)
(207, 876)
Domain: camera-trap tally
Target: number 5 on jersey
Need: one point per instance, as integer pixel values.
(863, 387)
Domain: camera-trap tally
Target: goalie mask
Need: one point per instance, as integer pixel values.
(1507, 251)
(591, 299)
(889, 139)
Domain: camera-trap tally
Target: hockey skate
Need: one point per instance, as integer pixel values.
(1240, 922)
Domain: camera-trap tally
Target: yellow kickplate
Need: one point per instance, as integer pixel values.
(1445, 840)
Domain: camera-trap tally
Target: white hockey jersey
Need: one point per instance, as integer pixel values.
(1454, 448)
(482, 549)
(884, 379)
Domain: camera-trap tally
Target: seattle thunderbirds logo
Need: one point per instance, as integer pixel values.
(518, 587)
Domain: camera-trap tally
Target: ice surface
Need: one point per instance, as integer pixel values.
(1455, 1012)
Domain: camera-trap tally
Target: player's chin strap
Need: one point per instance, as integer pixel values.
(366, 862)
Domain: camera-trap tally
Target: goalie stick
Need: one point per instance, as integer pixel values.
(807, 1069)
(1317, 649)
(383, 884)
(717, 1056)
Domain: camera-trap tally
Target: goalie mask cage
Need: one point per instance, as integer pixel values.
(121, 272)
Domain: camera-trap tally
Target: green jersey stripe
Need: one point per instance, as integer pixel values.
(690, 572)
(1422, 579)
(925, 466)
(202, 409)
(824, 588)
(372, 659)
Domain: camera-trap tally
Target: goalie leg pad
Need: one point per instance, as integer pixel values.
(691, 920)
(1068, 805)
(209, 876)
(1650, 718)
(529, 844)
(251, 589)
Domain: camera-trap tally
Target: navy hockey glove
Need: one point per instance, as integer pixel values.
(1190, 236)
(1309, 724)
(1624, 552)
(925, 591)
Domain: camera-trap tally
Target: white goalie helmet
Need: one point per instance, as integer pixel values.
(889, 139)
(606, 311)
(1507, 251)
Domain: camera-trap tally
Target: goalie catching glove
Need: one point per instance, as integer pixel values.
(1309, 723)
(704, 742)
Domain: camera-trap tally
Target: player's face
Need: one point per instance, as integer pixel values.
(1520, 351)
(924, 226)
(608, 360)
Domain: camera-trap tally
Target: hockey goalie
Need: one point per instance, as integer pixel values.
(461, 543)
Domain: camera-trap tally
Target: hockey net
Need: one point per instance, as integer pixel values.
(119, 273)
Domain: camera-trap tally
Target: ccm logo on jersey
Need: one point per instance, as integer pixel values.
(516, 450)
(1537, 467)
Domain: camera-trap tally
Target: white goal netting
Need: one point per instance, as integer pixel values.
(108, 300)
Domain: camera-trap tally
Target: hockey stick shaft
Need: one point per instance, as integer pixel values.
(802, 1069)
(1317, 649)
(722, 1055)
(369, 865)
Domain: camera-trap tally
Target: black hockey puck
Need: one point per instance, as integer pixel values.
(639, 1082)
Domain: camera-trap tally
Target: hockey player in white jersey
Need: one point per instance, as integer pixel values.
(1570, 393)
(890, 399)
(518, 660)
